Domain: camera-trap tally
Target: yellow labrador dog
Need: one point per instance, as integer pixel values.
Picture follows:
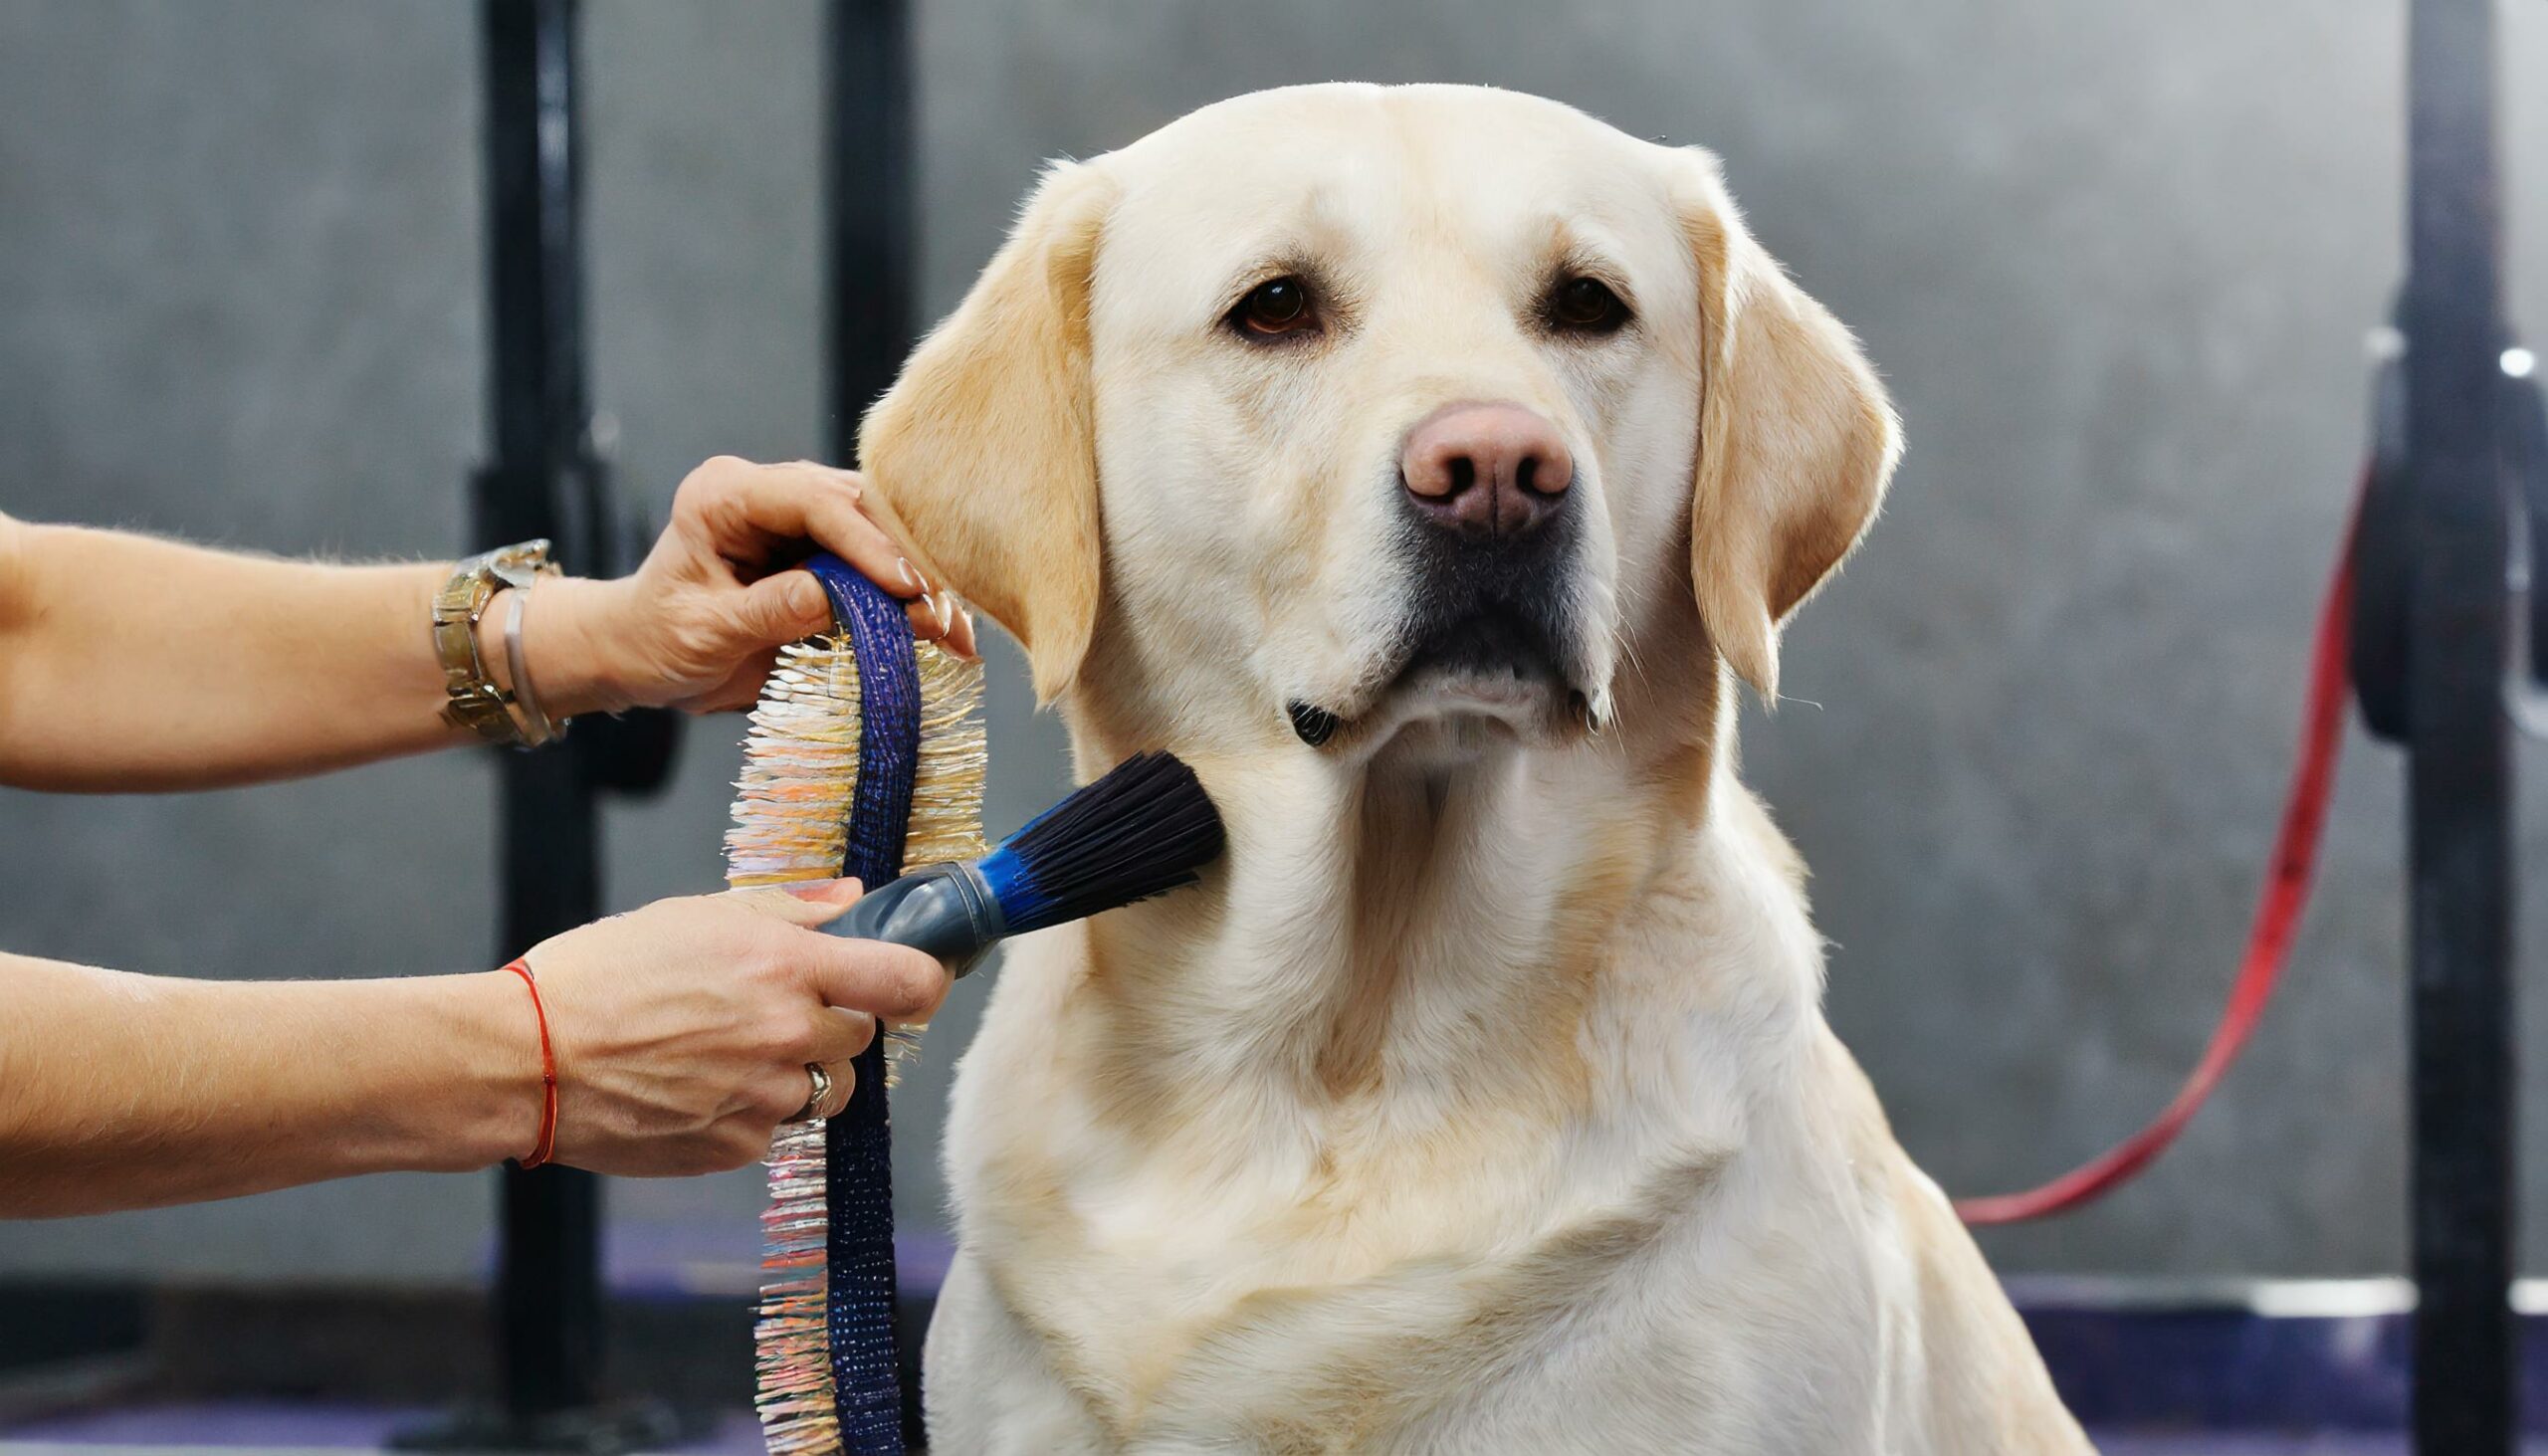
(1424, 464)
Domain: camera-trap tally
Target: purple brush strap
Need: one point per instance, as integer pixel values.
(857, 1157)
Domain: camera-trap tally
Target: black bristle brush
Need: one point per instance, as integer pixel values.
(1144, 829)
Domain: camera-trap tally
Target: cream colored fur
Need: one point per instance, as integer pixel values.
(1481, 1100)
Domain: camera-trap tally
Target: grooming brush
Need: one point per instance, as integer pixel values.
(866, 748)
(1144, 829)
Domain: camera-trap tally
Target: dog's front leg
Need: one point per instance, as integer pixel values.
(985, 1385)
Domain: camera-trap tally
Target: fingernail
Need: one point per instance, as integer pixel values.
(910, 581)
(937, 609)
(805, 597)
(819, 889)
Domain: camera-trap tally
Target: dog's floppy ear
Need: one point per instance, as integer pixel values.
(982, 457)
(1795, 437)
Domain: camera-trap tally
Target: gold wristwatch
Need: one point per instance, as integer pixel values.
(473, 701)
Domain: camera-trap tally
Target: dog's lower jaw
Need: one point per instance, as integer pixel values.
(1445, 719)
(1442, 749)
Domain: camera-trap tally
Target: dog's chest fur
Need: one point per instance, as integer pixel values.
(1449, 1239)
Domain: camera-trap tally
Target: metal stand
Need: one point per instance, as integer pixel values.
(870, 226)
(543, 481)
(2459, 743)
(2431, 657)
(869, 205)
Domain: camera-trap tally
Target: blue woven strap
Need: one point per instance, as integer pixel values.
(859, 1150)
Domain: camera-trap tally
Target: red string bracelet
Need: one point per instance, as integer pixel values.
(547, 1071)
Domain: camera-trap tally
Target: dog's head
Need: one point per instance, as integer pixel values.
(1383, 419)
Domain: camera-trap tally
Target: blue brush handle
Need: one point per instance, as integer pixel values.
(858, 1145)
(948, 911)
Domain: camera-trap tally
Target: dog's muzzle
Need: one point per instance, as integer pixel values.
(1488, 535)
(1490, 623)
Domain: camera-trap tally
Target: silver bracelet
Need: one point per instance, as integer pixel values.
(534, 723)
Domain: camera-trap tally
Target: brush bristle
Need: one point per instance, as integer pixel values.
(800, 775)
(801, 766)
(1144, 828)
(791, 822)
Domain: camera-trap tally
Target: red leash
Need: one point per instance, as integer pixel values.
(2278, 906)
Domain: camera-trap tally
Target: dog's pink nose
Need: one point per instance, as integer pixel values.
(1486, 470)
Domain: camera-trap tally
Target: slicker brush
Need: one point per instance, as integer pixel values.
(865, 751)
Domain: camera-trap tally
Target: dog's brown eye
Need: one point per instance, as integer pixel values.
(1585, 306)
(1276, 307)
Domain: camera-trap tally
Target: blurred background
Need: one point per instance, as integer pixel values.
(2116, 262)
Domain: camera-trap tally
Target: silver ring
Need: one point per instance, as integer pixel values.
(822, 1093)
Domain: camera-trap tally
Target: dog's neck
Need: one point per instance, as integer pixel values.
(1426, 945)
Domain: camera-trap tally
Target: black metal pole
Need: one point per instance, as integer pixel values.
(2460, 770)
(549, 1278)
(869, 167)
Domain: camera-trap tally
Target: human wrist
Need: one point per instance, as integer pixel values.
(482, 1103)
(566, 646)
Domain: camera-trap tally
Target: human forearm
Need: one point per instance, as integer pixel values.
(128, 663)
(681, 1033)
(121, 1091)
(133, 663)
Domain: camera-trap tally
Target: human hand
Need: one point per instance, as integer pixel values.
(682, 1030)
(701, 622)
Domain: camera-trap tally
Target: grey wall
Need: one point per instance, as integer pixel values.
(2115, 260)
